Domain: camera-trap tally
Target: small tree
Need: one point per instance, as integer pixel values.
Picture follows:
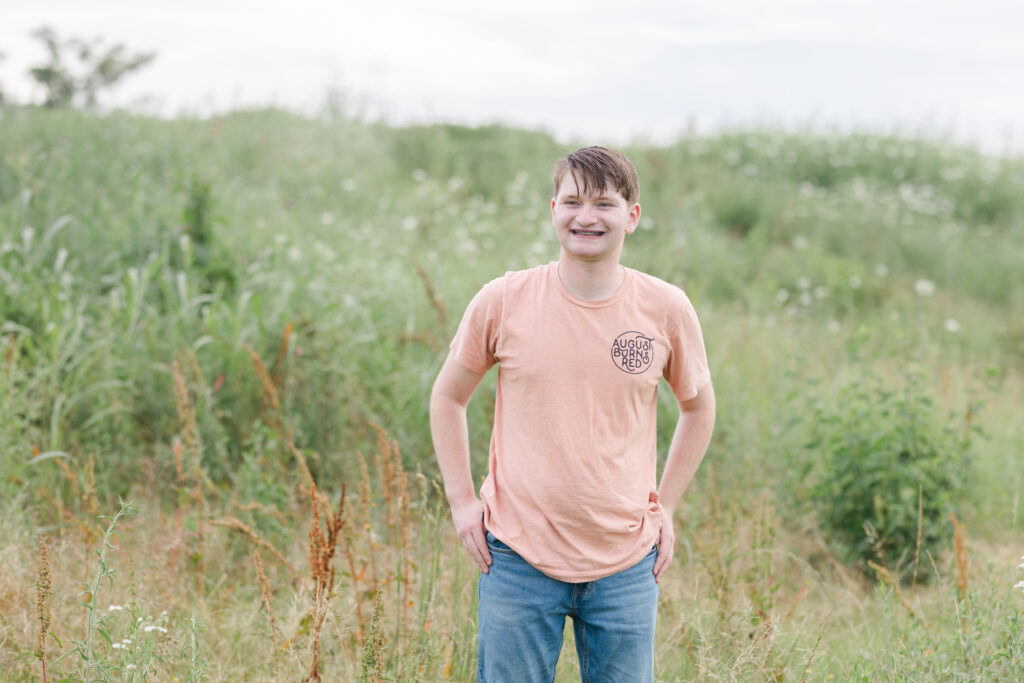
(77, 70)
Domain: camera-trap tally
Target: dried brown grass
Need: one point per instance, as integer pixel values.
(43, 591)
(238, 525)
(324, 531)
(265, 594)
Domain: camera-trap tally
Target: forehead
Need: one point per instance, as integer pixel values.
(571, 186)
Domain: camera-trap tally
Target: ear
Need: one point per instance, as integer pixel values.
(634, 219)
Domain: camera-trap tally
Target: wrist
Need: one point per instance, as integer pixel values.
(461, 499)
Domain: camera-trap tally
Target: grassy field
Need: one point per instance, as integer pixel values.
(218, 337)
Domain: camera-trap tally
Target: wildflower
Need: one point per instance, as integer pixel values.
(454, 183)
(326, 218)
(419, 175)
(855, 282)
(803, 282)
(834, 326)
(117, 646)
(410, 223)
(782, 295)
(115, 608)
(820, 292)
(924, 287)
(881, 270)
(951, 325)
(800, 242)
(149, 629)
(349, 185)
(1019, 584)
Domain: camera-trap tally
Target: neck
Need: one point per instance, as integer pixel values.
(590, 281)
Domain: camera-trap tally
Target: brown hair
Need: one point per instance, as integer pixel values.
(595, 168)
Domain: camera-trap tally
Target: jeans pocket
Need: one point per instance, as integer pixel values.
(496, 546)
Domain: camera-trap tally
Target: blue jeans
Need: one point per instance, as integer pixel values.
(522, 615)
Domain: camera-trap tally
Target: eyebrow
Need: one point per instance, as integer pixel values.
(595, 197)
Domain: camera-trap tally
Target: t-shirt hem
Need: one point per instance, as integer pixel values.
(470, 365)
(694, 389)
(598, 575)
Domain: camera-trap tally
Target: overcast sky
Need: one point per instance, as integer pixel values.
(606, 71)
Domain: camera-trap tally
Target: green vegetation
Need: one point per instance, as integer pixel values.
(207, 317)
(76, 70)
(877, 450)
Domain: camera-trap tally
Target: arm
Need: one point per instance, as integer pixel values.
(689, 443)
(453, 388)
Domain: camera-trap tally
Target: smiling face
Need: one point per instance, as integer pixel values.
(591, 225)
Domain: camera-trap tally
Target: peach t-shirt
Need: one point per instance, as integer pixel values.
(571, 483)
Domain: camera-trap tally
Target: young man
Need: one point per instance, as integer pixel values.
(570, 519)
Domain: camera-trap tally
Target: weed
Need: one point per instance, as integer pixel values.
(44, 584)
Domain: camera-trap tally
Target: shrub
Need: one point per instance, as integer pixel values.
(887, 473)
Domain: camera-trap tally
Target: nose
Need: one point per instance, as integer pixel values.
(586, 215)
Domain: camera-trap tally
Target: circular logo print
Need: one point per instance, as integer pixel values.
(632, 352)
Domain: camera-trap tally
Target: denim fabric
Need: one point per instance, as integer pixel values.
(522, 614)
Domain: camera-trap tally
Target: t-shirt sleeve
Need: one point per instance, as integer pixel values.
(476, 341)
(687, 369)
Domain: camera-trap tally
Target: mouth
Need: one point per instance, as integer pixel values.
(587, 233)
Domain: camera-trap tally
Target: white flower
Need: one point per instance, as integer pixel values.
(800, 242)
(129, 666)
(454, 183)
(349, 185)
(803, 282)
(782, 295)
(326, 218)
(117, 646)
(951, 325)
(881, 270)
(410, 223)
(1019, 584)
(419, 175)
(834, 326)
(924, 287)
(126, 641)
(115, 608)
(820, 292)
(62, 257)
(149, 629)
(855, 282)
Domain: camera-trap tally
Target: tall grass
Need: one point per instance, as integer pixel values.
(227, 319)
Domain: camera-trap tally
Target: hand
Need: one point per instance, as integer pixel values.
(469, 525)
(666, 545)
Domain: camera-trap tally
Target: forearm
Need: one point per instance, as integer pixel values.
(689, 444)
(450, 434)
